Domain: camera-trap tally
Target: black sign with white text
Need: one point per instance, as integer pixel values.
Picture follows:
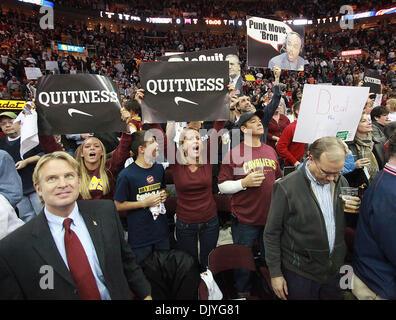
(372, 79)
(185, 91)
(273, 43)
(77, 103)
(229, 54)
(218, 54)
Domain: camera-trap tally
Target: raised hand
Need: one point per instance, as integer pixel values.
(139, 96)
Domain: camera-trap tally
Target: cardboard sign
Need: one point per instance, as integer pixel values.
(329, 111)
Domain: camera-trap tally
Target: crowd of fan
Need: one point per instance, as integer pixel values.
(226, 9)
(24, 44)
(118, 56)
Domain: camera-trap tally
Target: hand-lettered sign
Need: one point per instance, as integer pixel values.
(329, 111)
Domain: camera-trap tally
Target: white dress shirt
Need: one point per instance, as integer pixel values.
(55, 224)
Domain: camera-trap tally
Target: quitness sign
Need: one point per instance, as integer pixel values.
(77, 104)
(185, 91)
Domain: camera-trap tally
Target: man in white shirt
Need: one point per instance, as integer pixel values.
(80, 245)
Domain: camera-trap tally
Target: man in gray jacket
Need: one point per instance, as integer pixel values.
(304, 234)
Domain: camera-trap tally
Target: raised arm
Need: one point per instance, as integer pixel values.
(116, 163)
(269, 110)
(166, 139)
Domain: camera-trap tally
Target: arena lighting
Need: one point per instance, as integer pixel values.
(172, 53)
(300, 22)
(218, 22)
(213, 22)
(66, 47)
(43, 3)
(385, 11)
(351, 53)
(359, 15)
(159, 20)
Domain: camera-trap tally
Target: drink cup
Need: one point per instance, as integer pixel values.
(346, 193)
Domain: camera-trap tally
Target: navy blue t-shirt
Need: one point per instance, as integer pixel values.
(135, 183)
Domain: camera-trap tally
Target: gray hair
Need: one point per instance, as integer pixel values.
(334, 147)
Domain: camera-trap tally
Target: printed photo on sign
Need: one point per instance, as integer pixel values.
(78, 103)
(229, 54)
(329, 111)
(188, 91)
(274, 43)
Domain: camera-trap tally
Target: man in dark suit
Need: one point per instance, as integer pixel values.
(235, 73)
(72, 249)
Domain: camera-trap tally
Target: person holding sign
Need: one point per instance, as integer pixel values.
(196, 213)
(290, 59)
(304, 235)
(98, 174)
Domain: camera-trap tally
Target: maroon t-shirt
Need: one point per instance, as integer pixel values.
(195, 202)
(251, 205)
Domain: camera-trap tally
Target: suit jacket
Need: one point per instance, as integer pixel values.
(238, 86)
(25, 251)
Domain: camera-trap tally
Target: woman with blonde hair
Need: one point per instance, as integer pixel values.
(196, 211)
(98, 174)
(391, 105)
(191, 168)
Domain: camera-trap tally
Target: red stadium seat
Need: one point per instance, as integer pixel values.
(228, 257)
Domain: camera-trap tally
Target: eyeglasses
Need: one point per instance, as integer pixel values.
(326, 173)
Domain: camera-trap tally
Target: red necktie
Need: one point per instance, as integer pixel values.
(79, 265)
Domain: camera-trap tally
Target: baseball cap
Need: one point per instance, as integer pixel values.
(8, 114)
(246, 117)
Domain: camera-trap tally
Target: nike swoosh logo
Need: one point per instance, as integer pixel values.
(180, 99)
(71, 111)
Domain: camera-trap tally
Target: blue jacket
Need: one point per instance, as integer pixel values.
(375, 242)
(10, 181)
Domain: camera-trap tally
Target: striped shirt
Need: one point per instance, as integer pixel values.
(324, 196)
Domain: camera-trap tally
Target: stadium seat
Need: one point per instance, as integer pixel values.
(225, 258)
